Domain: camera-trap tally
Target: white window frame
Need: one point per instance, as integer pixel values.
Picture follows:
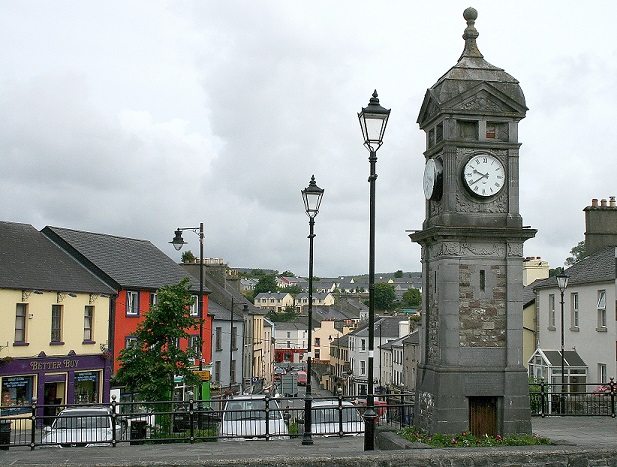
(194, 309)
(132, 303)
(551, 312)
(88, 323)
(574, 314)
(601, 310)
(21, 323)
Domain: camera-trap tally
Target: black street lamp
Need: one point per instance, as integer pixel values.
(373, 121)
(178, 242)
(562, 283)
(312, 200)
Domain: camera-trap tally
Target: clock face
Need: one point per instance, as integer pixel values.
(432, 179)
(484, 175)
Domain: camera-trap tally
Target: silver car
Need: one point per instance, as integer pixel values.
(327, 417)
(81, 426)
(244, 417)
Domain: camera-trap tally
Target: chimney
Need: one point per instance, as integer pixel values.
(403, 328)
(601, 225)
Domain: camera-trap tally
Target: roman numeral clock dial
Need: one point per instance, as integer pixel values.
(484, 175)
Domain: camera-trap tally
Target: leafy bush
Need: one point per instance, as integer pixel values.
(465, 439)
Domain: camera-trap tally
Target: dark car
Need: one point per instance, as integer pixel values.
(204, 417)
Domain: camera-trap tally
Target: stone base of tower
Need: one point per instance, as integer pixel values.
(480, 400)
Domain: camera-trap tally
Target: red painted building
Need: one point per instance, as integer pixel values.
(136, 269)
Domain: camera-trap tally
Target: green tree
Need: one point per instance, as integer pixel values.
(412, 298)
(266, 283)
(385, 296)
(188, 256)
(288, 314)
(578, 253)
(149, 365)
(287, 274)
(293, 290)
(398, 274)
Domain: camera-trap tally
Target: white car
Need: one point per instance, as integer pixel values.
(244, 418)
(326, 419)
(81, 426)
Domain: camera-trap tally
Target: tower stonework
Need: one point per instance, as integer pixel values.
(471, 374)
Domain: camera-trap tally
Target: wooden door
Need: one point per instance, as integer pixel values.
(483, 416)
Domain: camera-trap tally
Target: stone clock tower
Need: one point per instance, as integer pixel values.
(471, 374)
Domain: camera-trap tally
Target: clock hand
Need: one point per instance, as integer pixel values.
(483, 176)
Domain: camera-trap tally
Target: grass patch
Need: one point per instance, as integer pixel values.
(467, 440)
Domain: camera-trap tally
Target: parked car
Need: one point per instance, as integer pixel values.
(204, 417)
(82, 426)
(244, 418)
(301, 378)
(326, 419)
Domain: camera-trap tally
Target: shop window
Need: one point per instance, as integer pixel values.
(16, 394)
(88, 318)
(86, 387)
(132, 303)
(21, 312)
(56, 324)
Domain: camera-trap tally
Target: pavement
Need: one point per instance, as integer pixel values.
(567, 434)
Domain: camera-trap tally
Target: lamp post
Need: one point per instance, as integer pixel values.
(562, 283)
(178, 242)
(373, 121)
(312, 199)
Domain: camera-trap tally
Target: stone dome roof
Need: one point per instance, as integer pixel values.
(469, 73)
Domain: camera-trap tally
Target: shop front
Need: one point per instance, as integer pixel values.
(53, 381)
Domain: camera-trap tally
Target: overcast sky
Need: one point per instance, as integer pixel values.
(133, 118)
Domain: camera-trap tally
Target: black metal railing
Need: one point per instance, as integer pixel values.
(241, 417)
(574, 399)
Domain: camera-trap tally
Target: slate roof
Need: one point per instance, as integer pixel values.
(389, 327)
(122, 262)
(29, 260)
(597, 267)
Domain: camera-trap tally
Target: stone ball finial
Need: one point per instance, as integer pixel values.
(470, 14)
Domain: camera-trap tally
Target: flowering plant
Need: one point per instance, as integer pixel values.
(466, 439)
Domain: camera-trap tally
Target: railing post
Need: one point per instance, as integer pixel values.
(33, 425)
(613, 388)
(191, 419)
(542, 398)
(267, 400)
(340, 412)
(113, 420)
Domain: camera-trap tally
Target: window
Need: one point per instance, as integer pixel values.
(153, 299)
(217, 371)
(88, 317)
(497, 130)
(129, 341)
(16, 394)
(362, 367)
(467, 130)
(602, 373)
(86, 385)
(232, 372)
(21, 312)
(317, 342)
(601, 310)
(317, 354)
(288, 335)
(194, 310)
(289, 344)
(218, 338)
(574, 312)
(234, 338)
(362, 345)
(132, 303)
(56, 324)
(551, 312)
(194, 343)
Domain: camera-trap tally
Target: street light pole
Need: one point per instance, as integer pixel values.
(562, 283)
(178, 242)
(312, 199)
(373, 121)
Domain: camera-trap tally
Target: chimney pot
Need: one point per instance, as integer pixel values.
(612, 202)
(594, 202)
(603, 203)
